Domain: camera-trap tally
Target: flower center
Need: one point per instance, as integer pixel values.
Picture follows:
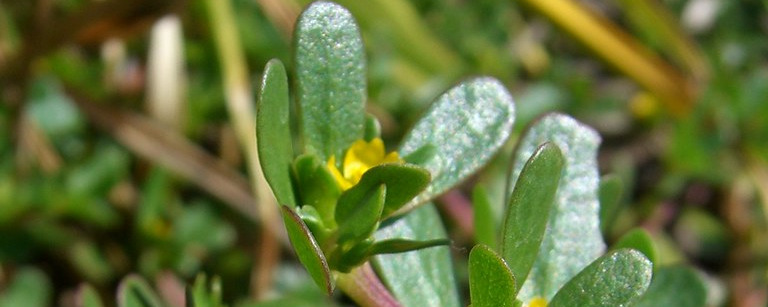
(359, 158)
(538, 302)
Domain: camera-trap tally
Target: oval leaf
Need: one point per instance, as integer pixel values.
(640, 240)
(88, 297)
(133, 291)
(465, 126)
(330, 75)
(573, 238)
(307, 250)
(273, 132)
(616, 279)
(491, 283)
(419, 278)
(528, 210)
(358, 212)
(677, 286)
(403, 181)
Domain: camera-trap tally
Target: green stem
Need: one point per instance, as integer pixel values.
(364, 287)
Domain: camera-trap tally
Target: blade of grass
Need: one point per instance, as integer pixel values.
(240, 105)
(614, 46)
(658, 23)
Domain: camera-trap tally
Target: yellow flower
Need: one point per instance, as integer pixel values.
(538, 302)
(360, 157)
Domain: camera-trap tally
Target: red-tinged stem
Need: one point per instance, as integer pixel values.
(364, 287)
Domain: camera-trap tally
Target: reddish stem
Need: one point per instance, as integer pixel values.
(364, 287)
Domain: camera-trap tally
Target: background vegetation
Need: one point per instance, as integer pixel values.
(126, 139)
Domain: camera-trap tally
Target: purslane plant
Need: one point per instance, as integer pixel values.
(341, 184)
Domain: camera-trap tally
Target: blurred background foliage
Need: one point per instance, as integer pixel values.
(119, 155)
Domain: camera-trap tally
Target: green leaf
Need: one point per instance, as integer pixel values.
(358, 212)
(330, 78)
(616, 279)
(491, 283)
(466, 126)
(424, 277)
(640, 240)
(317, 187)
(611, 189)
(396, 246)
(88, 296)
(201, 294)
(134, 291)
(372, 128)
(273, 132)
(485, 222)
(307, 250)
(573, 238)
(403, 181)
(677, 286)
(29, 287)
(529, 209)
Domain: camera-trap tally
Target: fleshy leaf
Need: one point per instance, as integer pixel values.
(617, 279)
(466, 126)
(396, 246)
(677, 286)
(573, 238)
(639, 240)
(317, 187)
(330, 78)
(491, 283)
(273, 132)
(611, 189)
(485, 222)
(307, 250)
(419, 278)
(372, 128)
(133, 291)
(358, 212)
(88, 297)
(529, 209)
(203, 294)
(403, 181)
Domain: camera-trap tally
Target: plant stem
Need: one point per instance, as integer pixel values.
(364, 287)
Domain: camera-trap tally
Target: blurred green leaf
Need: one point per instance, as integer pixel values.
(134, 291)
(616, 279)
(358, 212)
(273, 132)
(573, 238)
(29, 287)
(419, 278)
(640, 240)
(466, 125)
(201, 294)
(317, 187)
(484, 220)
(529, 209)
(331, 79)
(611, 190)
(491, 283)
(307, 250)
(88, 296)
(677, 286)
